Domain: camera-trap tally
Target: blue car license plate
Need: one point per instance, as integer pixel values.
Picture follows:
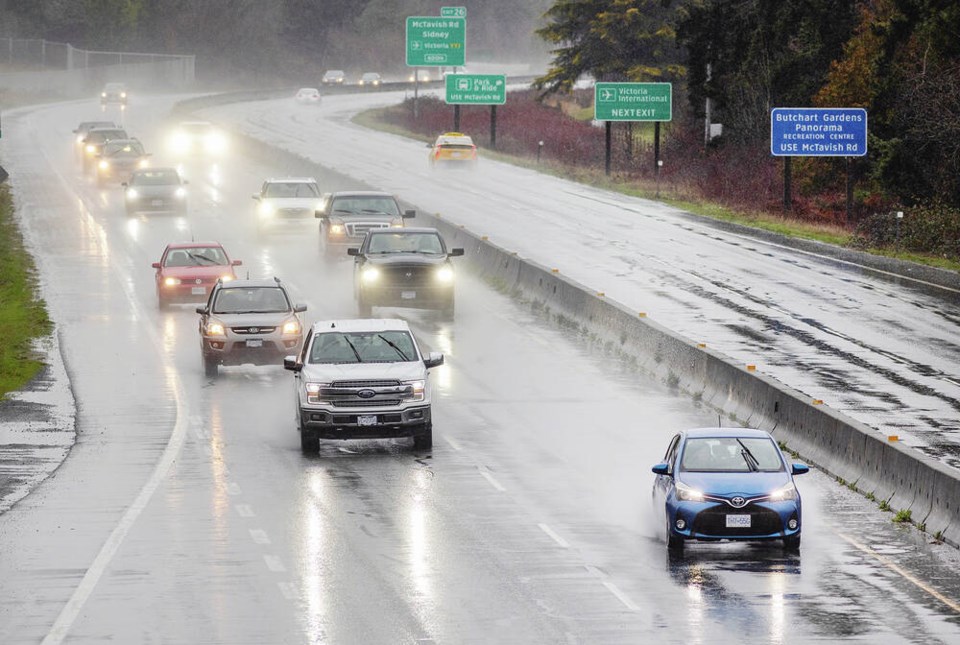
(738, 521)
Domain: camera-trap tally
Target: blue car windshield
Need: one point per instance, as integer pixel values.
(730, 455)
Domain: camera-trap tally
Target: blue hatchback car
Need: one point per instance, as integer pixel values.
(727, 484)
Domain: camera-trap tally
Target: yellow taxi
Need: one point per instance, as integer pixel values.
(453, 148)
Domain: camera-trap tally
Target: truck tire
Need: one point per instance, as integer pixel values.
(309, 443)
(424, 439)
(792, 543)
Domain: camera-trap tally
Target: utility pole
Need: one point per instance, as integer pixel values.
(706, 110)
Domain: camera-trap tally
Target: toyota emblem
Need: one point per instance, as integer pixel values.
(738, 502)
(366, 394)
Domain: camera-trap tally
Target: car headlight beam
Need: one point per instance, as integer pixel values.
(291, 327)
(133, 194)
(787, 492)
(104, 164)
(215, 328)
(171, 282)
(370, 275)
(417, 388)
(688, 494)
(445, 275)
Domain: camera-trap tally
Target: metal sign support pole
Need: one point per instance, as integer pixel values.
(456, 118)
(849, 190)
(607, 164)
(786, 184)
(416, 91)
(493, 127)
(656, 146)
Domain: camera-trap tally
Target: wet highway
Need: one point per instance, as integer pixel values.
(186, 513)
(880, 348)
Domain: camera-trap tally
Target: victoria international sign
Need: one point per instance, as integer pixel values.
(818, 132)
(633, 102)
(434, 41)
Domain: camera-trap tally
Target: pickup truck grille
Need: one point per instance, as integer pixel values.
(408, 276)
(368, 403)
(363, 394)
(359, 229)
(339, 384)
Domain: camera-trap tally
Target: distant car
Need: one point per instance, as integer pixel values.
(308, 96)
(407, 267)
(197, 138)
(155, 189)
(421, 74)
(362, 379)
(334, 77)
(286, 203)
(94, 141)
(119, 158)
(347, 216)
(249, 322)
(187, 271)
(370, 79)
(727, 484)
(114, 93)
(84, 128)
(453, 149)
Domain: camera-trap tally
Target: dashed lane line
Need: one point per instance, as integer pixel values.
(553, 536)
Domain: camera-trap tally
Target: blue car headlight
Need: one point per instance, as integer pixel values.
(785, 493)
(687, 494)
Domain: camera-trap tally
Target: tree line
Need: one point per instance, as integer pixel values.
(273, 37)
(899, 59)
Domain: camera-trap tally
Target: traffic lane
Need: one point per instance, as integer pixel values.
(490, 475)
(826, 328)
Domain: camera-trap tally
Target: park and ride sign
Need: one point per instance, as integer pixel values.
(818, 132)
(436, 41)
(633, 102)
(476, 89)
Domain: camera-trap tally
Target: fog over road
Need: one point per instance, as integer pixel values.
(882, 349)
(186, 512)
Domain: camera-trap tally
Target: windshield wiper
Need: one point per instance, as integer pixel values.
(355, 352)
(373, 212)
(201, 256)
(394, 346)
(343, 210)
(748, 457)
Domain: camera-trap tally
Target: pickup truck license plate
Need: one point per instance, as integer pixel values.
(738, 521)
(408, 295)
(157, 202)
(259, 343)
(367, 420)
(198, 291)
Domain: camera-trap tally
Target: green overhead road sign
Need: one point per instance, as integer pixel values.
(633, 102)
(453, 12)
(476, 89)
(433, 41)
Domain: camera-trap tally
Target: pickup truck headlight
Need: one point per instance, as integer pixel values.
(104, 164)
(397, 223)
(417, 388)
(370, 275)
(445, 275)
(215, 328)
(336, 229)
(143, 163)
(132, 194)
(180, 192)
(266, 209)
(91, 148)
(313, 392)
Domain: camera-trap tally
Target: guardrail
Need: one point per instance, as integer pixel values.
(840, 446)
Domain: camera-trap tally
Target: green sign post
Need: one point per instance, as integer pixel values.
(476, 89)
(433, 41)
(633, 102)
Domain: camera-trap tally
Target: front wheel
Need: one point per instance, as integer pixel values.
(674, 542)
(792, 543)
(424, 440)
(309, 443)
(210, 366)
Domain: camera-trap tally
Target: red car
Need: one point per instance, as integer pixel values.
(187, 271)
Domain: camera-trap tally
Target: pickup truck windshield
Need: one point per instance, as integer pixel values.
(363, 347)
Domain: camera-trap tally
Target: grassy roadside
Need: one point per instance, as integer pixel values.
(23, 316)
(377, 119)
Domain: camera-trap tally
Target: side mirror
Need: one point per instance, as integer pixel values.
(319, 214)
(236, 263)
(353, 251)
(409, 214)
(299, 309)
(434, 360)
(455, 253)
(202, 311)
(155, 265)
(256, 197)
(290, 363)
(800, 469)
(661, 469)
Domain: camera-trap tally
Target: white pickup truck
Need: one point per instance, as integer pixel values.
(362, 379)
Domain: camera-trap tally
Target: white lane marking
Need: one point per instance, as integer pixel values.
(91, 577)
(259, 536)
(274, 563)
(233, 488)
(493, 482)
(622, 597)
(245, 510)
(288, 590)
(893, 566)
(453, 444)
(556, 538)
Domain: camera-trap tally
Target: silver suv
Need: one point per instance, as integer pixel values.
(362, 379)
(248, 321)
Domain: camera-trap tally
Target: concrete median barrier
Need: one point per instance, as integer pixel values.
(840, 446)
